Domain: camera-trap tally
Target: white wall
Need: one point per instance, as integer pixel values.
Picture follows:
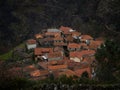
(76, 59)
(31, 46)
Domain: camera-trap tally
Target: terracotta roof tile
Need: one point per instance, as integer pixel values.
(57, 67)
(55, 54)
(69, 38)
(58, 38)
(37, 36)
(79, 72)
(82, 53)
(31, 41)
(53, 62)
(75, 33)
(65, 30)
(54, 34)
(95, 44)
(29, 68)
(67, 72)
(86, 37)
(74, 45)
(37, 73)
(37, 51)
(40, 51)
(58, 49)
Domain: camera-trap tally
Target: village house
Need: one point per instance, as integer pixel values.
(41, 53)
(46, 42)
(74, 47)
(62, 51)
(80, 71)
(59, 41)
(94, 45)
(66, 31)
(78, 56)
(76, 33)
(56, 49)
(84, 46)
(69, 39)
(53, 30)
(86, 39)
(39, 73)
(31, 44)
(55, 56)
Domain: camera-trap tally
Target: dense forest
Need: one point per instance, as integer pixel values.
(21, 19)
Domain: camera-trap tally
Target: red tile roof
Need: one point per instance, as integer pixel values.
(74, 45)
(65, 30)
(31, 41)
(86, 37)
(58, 38)
(37, 36)
(67, 72)
(54, 34)
(53, 62)
(95, 44)
(82, 53)
(75, 33)
(37, 73)
(57, 67)
(40, 51)
(58, 49)
(69, 39)
(54, 55)
(29, 68)
(79, 72)
(37, 51)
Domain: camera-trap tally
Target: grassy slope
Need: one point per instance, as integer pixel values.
(9, 54)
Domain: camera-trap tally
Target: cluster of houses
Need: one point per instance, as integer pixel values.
(63, 51)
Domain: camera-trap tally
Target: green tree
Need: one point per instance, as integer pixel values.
(108, 57)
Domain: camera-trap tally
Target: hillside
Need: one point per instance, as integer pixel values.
(21, 19)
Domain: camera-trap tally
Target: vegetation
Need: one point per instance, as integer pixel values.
(108, 57)
(9, 54)
(20, 19)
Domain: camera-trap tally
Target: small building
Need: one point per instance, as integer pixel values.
(76, 33)
(59, 41)
(39, 73)
(74, 47)
(55, 56)
(38, 36)
(69, 39)
(78, 56)
(94, 45)
(86, 39)
(31, 44)
(66, 31)
(80, 71)
(53, 30)
(53, 34)
(40, 53)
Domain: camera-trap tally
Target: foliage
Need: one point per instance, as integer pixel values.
(23, 18)
(108, 56)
